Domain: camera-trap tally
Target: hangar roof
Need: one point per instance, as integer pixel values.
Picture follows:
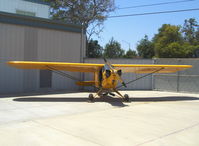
(11, 18)
(38, 1)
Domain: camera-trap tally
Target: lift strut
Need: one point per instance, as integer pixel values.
(141, 77)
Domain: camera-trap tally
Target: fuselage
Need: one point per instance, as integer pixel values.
(109, 79)
(106, 78)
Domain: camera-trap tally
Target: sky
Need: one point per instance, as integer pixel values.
(128, 31)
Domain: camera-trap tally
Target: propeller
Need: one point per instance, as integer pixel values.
(105, 60)
(107, 63)
(119, 72)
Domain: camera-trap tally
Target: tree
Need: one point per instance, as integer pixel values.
(82, 12)
(172, 41)
(94, 49)
(190, 31)
(145, 48)
(190, 50)
(168, 42)
(113, 49)
(197, 35)
(130, 54)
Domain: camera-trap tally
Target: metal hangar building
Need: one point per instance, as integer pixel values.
(31, 38)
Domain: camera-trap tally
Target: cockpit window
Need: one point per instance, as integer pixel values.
(107, 67)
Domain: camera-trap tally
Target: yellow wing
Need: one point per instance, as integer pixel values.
(149, 68)
(88, 67)
(74, 67)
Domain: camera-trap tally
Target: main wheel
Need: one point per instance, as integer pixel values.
(126, 98)
(91, 97)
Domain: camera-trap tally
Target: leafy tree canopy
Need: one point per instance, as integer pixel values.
(89, 13)
(130, 54)
(113, 49)
(172, 41)
(168, 42)
(168, 34)
(190, 31)
(94, 49)
(145, 48)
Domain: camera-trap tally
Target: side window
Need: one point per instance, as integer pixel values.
(45, 79)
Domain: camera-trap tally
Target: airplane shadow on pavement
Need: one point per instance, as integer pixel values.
(113, 101)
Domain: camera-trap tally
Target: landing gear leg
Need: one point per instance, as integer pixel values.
(91, 97)
(125, 97)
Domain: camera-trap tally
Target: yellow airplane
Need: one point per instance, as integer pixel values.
(106, 76)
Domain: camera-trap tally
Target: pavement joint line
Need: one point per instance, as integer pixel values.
(62, 131)
(169, 134)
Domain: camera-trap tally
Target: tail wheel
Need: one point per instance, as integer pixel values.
(126, 98)
(91, 97)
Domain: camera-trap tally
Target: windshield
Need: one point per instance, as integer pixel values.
(107, 67)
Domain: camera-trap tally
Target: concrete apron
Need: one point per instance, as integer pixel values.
(151, 118)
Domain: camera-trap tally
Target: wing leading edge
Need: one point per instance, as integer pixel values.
(74, 67)
(88, 67)
(149, 68)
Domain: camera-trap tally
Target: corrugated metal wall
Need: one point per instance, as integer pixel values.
(12, 44)
(60, 46)
(142, 84)
(19, 42)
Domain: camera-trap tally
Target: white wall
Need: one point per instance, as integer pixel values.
(12, 5)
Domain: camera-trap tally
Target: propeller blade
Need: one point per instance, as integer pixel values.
(107, 63)
(105, 60)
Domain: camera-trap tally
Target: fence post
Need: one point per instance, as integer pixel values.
(178, 76)
(152, 76)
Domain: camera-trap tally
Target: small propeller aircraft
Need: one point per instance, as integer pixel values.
(106, 76)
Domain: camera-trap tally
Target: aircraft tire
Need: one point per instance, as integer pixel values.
(91, 97)
(126, 98)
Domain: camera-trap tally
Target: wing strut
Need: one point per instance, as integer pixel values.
(65, 75)
(140, 77)
(62, 73)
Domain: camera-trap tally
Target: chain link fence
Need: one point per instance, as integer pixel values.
(182, 81)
